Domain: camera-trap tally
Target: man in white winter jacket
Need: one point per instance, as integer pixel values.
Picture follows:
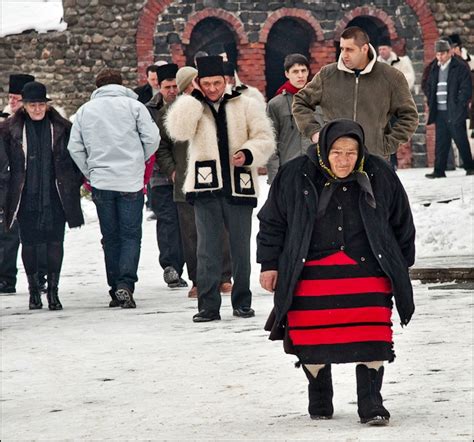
(229, 137)
(112, 137)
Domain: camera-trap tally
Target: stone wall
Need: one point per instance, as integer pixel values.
(100, 33)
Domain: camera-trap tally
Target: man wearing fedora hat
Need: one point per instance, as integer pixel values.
(10, 240)
(44, 187)
(448, 91)
(229, 137)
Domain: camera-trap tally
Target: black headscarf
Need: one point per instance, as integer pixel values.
(37, 190)
(329, 134)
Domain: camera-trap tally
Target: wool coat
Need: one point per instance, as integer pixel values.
(459, 90)
(291, 143)
(68, 178)
(247, 128)
(289, 214)
(371, 98)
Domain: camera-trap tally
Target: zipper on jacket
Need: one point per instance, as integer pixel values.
(356, 92)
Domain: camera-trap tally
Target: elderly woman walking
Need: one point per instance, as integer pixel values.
(335, 243)
(44, 187)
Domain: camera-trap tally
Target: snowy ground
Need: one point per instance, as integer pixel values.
(89, 372)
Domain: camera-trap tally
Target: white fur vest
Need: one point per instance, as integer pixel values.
(248, 128)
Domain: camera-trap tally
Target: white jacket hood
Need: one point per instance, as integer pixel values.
(342, 67)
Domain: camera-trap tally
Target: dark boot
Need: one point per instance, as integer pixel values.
(114, 302)
(369, 400)
(53, 298)
(320, 393)
(34, 290)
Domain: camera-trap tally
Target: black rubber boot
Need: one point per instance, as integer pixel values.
(34, 290)
(53, 299)
(320, 393)
(369, 400)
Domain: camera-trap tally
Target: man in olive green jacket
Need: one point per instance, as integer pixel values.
(362, 89)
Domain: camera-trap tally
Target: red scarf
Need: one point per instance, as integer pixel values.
(288, 87)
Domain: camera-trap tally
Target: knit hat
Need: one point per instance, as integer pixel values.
(184, 77)
(167, 72)
(210, 66)
(442, 46)
(34, 92)
(17, 81)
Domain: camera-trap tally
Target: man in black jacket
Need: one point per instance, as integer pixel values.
(151, 88)
(448, 91)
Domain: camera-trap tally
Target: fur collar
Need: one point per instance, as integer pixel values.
(17, 122)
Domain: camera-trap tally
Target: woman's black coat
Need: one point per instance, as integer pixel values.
(68, 176)
(289, 214)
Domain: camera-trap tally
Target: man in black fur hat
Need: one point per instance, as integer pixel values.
(167, 223)
(10, 241)
(229, 137)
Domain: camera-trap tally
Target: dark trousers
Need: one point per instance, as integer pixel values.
(9, 244)
(167, 228)
(212, 214)
(187, 224)
(120, 218)
(445, 132)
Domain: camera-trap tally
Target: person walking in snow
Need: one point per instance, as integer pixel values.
(335, 243)
(229, 137)
(44, 187)
(112, 137)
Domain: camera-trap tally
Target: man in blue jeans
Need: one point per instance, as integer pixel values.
(112, 137)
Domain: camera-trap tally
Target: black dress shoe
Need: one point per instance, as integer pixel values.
(6, 288)
(244, 312)
(435, 175)
(206, 316)
(469, 171)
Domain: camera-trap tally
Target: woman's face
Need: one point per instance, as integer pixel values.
(36, 111)
(343, 156)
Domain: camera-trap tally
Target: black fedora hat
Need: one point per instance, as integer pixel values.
(17, 81)
(34, 92)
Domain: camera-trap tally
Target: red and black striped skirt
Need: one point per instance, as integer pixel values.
(341, 312)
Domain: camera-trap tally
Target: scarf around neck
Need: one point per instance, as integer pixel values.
(37, 190)
(287, 87)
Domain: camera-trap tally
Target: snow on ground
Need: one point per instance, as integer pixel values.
(17, 16)
(90, 372)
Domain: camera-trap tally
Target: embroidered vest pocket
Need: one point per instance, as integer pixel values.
(206, 174)
(243, 181)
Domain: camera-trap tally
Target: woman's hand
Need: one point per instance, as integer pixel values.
(268, 280)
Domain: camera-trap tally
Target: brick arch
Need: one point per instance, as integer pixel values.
(298, 14)
(370, 11)
(145, 31)
(235, 25)
(321, 52)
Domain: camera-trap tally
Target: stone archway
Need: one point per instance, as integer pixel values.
(279, 46)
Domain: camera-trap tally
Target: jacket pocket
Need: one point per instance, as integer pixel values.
(205, 174)
(243, 181)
